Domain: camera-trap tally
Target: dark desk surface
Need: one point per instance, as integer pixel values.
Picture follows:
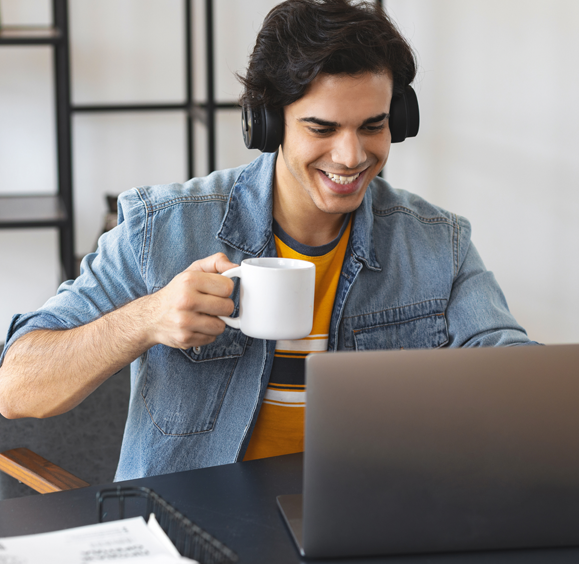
(237, 504)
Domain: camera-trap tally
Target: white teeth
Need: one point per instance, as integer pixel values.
(341, 179)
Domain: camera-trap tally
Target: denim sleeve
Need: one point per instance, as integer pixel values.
(477, 313)
(109, 278)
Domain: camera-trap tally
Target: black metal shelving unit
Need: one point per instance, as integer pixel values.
(203, 112)
(56, 211)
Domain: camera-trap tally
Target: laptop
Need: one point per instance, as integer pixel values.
(439, 450)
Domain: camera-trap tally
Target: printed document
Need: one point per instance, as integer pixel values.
(130, 540)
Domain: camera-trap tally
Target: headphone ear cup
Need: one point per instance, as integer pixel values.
(404, 118)
(247, 126)
(262, 128)
(274, 126)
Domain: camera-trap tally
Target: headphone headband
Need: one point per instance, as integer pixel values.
(263, 127)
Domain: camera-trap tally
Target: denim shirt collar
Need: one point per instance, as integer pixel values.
(362, 237)
(247, 224)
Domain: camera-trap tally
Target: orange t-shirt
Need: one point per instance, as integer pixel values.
(280, 425)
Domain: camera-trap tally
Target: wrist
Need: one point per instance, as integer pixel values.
(139, 322)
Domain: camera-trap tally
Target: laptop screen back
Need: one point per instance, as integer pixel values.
(444, 450)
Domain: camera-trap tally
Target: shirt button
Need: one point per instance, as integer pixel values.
(196, 350)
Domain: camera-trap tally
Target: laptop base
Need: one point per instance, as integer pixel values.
(291, 509)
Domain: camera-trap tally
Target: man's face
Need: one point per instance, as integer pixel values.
(336, 141)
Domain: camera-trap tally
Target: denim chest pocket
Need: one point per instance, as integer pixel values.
(185, 396)
(415, 326)
(230, 344)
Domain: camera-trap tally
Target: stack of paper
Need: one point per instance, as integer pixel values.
(130, 540)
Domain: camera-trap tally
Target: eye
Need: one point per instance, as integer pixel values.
(321, 130)
(374, 128)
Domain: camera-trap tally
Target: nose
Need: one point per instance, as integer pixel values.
(348, 150)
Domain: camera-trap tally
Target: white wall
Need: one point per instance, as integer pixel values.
(499, 128)
(498, 142)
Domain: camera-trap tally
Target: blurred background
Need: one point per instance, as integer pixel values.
(498, 94)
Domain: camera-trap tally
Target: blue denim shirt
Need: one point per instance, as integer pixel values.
(411, 279)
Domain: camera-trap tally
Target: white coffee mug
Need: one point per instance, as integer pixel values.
(276, 299)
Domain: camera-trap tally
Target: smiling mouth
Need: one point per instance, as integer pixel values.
(339, 179)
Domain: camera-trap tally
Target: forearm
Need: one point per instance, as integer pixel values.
(46, 372)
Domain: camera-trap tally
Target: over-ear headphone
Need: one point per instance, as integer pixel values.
(262, 127)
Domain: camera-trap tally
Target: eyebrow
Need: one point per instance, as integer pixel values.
(324, 123)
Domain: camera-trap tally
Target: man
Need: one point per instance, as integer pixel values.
(392, 270)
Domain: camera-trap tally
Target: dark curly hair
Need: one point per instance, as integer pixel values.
(300, 39)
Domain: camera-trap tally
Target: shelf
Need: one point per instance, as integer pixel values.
(144, 107)
(196, 110)
(29, 35)
(31, 211)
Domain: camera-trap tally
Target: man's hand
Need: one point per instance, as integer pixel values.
(185, 311)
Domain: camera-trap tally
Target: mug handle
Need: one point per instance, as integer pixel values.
(234, 322)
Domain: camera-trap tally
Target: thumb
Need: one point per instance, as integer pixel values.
(214, 264)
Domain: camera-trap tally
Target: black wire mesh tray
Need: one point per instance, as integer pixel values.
(189, 539)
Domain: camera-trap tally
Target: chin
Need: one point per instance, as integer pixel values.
(342, 206)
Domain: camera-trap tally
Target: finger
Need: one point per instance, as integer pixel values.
(215, 264)
(202, 324)
(192, 340)
(207, 284)
(211, 325)
(200, 330)
(214, 305)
